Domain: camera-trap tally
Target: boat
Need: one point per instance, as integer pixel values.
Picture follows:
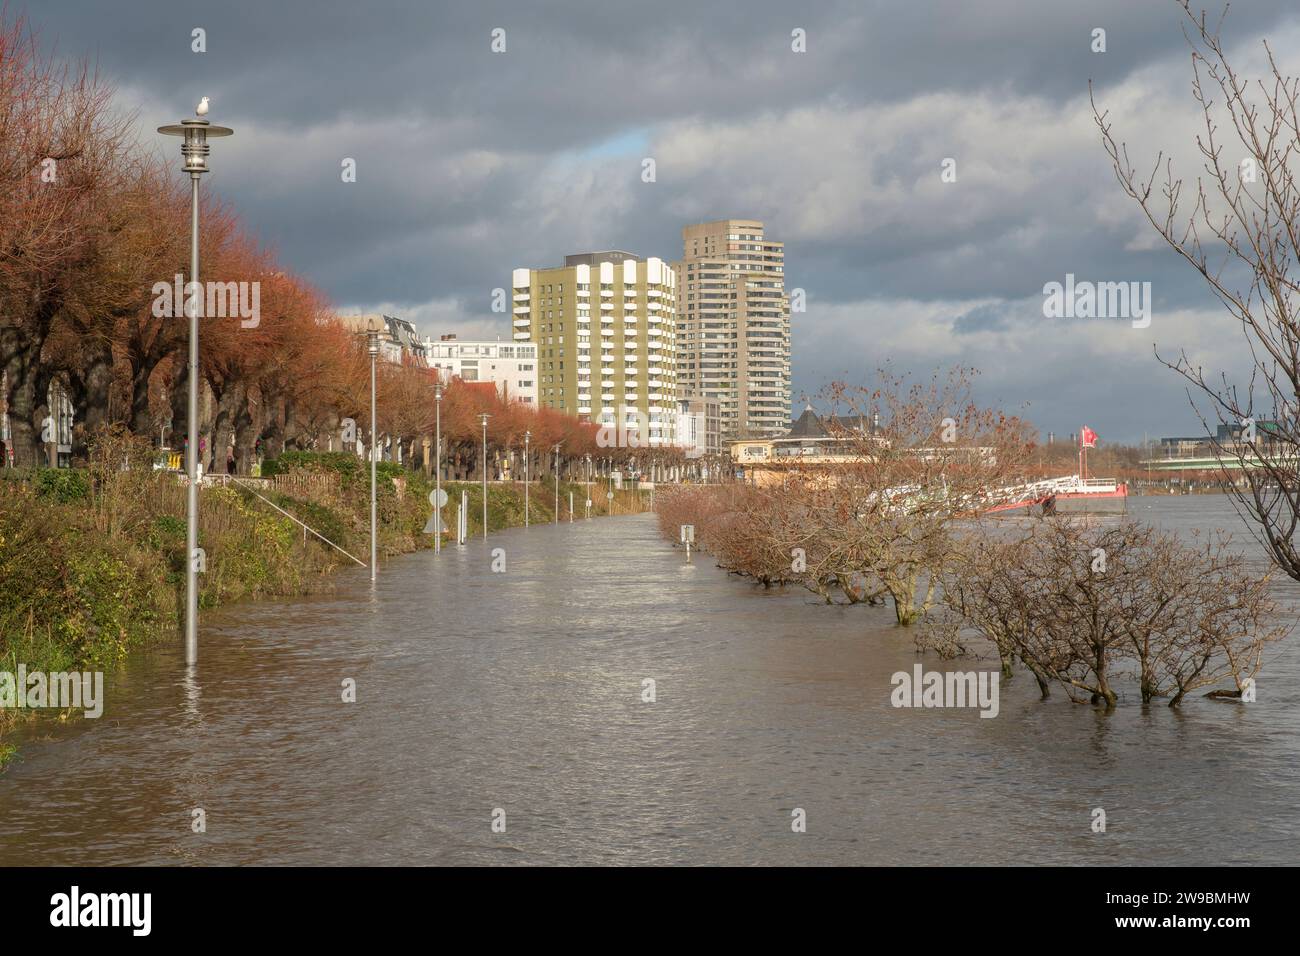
(1071, 494)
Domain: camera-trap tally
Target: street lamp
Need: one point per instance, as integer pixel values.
(195, 150)
(483, 417)
(372, 346)
(528, 435)
(557, 481)
(588, 504)
(437, 457)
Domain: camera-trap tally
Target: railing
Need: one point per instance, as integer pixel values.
(306, 485)
(248, 486)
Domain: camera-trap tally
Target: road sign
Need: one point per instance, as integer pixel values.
(435, 525)
(609, 495)
(688, 534)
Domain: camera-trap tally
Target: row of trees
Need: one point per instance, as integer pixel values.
(875, 518)
(1088, 607)
(91, 220)
(889, 511)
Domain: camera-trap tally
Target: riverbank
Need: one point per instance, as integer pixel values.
(92, 559)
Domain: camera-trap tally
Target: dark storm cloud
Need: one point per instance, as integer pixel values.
(471, 163)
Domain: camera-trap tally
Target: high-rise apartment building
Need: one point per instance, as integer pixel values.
(733, 325)
(604, 324)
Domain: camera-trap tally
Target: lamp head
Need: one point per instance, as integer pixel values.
(194, 148)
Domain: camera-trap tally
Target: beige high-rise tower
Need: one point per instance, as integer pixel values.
(733, 325)
(605, 328)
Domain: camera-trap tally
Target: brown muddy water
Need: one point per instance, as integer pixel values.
(523, 691)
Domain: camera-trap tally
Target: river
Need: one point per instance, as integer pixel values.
(522, 691)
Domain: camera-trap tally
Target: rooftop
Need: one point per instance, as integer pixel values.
(592, 258)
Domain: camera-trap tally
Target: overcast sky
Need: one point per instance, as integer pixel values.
(471, 163)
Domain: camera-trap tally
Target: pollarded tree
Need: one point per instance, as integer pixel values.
(912, 460)
(60, 145)
(1090, 607)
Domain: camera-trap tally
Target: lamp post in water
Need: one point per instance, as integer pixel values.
(483, 417)
(195, 150)
(372, 346)
(528, 437)
(437, 457)
(557, 481)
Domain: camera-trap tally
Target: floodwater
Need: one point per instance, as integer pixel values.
(522, 692)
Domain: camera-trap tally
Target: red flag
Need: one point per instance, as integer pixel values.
(1087, 438)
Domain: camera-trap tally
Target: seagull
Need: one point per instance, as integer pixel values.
(202, 108)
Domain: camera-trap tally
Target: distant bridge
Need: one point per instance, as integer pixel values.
(1210, 463)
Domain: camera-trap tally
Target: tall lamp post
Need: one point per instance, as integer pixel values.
(437, 457)
(528, 437)
(372, 346)
(195, 151)
(557, 481)
(483, 417)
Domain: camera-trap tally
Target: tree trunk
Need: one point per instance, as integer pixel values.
(89, 392)
(22, 359)
(246, 434)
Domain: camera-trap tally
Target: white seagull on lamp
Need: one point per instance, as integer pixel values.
(202, 108)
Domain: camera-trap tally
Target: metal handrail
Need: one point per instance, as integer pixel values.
(304, 524)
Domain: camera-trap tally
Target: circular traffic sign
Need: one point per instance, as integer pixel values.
(438, 498)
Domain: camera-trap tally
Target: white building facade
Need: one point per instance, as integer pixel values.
(512, 366)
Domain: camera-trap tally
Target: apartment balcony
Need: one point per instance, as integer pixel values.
(525, 308)
(521, 336)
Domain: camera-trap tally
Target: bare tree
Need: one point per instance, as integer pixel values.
(1240, 229)
(1089, 608)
